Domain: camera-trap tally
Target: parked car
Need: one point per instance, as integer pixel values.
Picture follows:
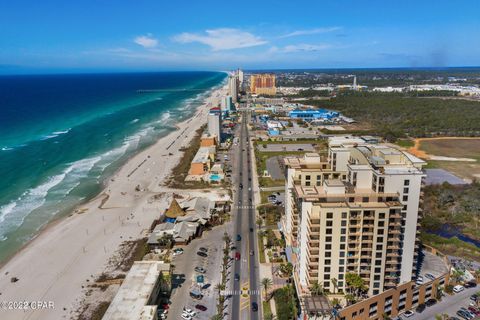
(202, 254)
(430, 302)
(470, 284)
(177, 251)
(186, 316)
(429, 276)
(409, 313)
(420, 308)
(458, 288)
(467, 313)
(200, 270)
(201, 307)
(203, 249)
(463, 315)
(237, 256)
(473, 310)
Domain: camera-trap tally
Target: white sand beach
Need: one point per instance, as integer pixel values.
(55, 266)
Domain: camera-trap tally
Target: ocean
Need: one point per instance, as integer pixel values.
(62, 136)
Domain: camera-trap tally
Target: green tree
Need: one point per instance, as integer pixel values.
(457, 276)
(335, 285)
(351, 299)
(316, 289)
(266, 284)
(355, 284)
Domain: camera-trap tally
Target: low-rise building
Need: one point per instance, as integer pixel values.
(203, 160)
(138, 295)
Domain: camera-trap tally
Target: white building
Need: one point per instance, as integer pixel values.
(353, 211)
(214, 124)
(233, 87)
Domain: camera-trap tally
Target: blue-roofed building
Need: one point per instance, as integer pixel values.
(313, 114)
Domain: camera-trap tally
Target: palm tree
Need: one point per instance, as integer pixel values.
(355, 283)
(226, 238)
(219, 287)
(266, 283)
(335, 284)
(316, 289)
(457, 276)
(477, 274)
(351, 299)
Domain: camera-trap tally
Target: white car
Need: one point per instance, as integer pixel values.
(186, 316)
(458, 288)
(409, 314)
(419, 280)
(190, 312)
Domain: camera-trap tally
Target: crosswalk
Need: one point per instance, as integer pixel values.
(245, 207)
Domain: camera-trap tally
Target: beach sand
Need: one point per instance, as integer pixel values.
(57, 266)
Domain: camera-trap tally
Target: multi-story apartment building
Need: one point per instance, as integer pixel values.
(354, 210)
(263, 84)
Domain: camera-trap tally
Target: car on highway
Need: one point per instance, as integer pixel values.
(240, 185)
(201, 307)
(252, 252)
(202, 254)
(254, 306)
(200, 270)
(239, 237)
(430, 302)
(408, 314)
(237, 277)
(251, 229)
(237, 256)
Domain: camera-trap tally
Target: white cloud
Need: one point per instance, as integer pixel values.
(222, 39)
(146, 41)
(310, 31)
(304, 48)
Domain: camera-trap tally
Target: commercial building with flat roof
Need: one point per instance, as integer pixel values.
(137, 297)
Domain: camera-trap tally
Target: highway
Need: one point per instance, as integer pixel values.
(247, 267)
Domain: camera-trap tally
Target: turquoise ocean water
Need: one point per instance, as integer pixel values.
(62, 136)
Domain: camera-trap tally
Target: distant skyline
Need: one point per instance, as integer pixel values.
(90, 36)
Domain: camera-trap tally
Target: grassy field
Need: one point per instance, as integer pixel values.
(455, 148)
(452, 246)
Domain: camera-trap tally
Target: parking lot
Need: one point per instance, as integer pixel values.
(448, 305)
(280, 147)
(184, 275)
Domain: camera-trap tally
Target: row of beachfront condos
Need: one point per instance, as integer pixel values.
(353, 210)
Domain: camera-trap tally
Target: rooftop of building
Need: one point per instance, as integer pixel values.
(133, 297)
(203, 154)
(385, 159)
(337, 193)
(309, 160)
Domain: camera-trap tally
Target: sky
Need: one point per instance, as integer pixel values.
(150, 35)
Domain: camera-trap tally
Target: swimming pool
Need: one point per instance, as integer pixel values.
(215, 177)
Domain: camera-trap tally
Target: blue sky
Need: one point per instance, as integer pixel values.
(218, 35)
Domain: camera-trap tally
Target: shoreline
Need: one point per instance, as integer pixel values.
(47, 266)
(103, 185)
